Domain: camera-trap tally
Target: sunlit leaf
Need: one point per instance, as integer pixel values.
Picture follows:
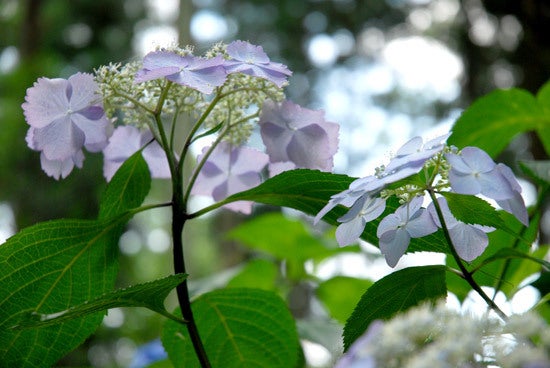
(473, 210)
(239, 328)
(395, 293)
(492, 121)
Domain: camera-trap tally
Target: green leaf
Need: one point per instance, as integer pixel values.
(492, 121)
(537, 170)
(53, 266)
(395, 293)
(543, 97)
(283, 238)
(340, 295)
(239, 328)
(473, 210)
(149, 295)
(258, 273)
(128, 187)
(50, 267)
(309, 191)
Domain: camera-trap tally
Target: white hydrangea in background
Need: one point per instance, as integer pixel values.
(428, 336)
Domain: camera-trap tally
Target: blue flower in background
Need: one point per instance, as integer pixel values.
(148, 353)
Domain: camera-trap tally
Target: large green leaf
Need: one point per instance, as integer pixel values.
(47, 268)
(310, 190)
(285, 239)
(543, 97)
(395, 293)
(149, 295)
(340, 295)
(257, 273)
(492, 121)
(53, 266)
(239, 328)
(128, 187)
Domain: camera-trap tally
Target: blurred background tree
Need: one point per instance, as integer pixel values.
(384, 69)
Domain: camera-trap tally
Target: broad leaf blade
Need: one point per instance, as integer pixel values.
(340, 295)
(47, 268)
(494, 120)
(395, 293)
(52, 266)
(149, 295)
(239, 328)
(473, 210)
(543, 97)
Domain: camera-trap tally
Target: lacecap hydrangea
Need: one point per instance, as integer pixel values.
(469, 171)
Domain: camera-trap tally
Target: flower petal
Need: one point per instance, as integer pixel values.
(393, 245)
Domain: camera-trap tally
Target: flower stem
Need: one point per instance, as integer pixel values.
(178, 221)
(179, 217)
(467, 275)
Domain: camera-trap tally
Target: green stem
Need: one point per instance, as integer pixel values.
(465, 273)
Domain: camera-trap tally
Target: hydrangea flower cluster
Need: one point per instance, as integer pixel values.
(228, 90)
(426, 336)
(65, 116)
(470, 171)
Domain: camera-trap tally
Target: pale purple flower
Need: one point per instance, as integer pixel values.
(412, 156)
(473, 172)
(252, 60)
(469, 241)
(396, 230)
(229, 170)
(365, 209)
(127, 140)
(296, 134)
(198, 73)
(514, 205)
(349, 196)
(361, 354)
(65, 116)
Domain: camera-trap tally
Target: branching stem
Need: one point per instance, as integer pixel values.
(465, 273)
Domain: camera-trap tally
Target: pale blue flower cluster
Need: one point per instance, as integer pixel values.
(67, 115)
(471, 171)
